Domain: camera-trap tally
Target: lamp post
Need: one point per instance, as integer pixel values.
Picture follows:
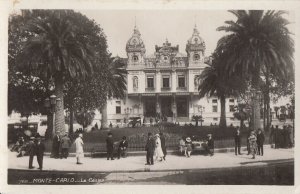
(201, 111)
(50, 104)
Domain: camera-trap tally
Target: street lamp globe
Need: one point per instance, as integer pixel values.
(53, 99)
(47, 103)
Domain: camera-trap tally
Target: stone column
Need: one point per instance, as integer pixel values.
(174, 108)
(173, 82)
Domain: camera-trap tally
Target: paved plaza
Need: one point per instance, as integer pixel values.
(137, 163)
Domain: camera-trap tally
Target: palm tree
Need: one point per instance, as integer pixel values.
(213, 82)
(56, 49)
(257, 41)
(115, 74)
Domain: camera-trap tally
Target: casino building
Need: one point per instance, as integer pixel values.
(164, 82)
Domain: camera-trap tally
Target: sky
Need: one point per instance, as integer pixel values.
(156, 26)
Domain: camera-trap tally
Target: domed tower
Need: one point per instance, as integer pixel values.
(195, 49)
(135, 48)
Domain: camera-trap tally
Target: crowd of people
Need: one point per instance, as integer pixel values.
(155, 145)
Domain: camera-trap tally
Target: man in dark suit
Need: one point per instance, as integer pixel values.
(237, 142)
(65, 144)
(31, 151)
(210, 145)
(150, 146)
(122, 150)
(56, 146)
(110, 146)
(40, 149)
(260, 142)
(163, 144)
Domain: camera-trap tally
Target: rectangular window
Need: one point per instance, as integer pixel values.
(232, 118)
(166, 82)
(118, 107)
(215, 108)
(118, 120)
(150, 82)
(215, 119)
(181, 81)
(214, 101)
(231, 108)
(231, 100)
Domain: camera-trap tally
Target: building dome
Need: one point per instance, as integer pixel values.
(195, 43)
(135, 43)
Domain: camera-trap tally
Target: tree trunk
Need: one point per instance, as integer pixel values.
(268, 101)
(49, 132)
(104, 124)
(255, 100)
(71, 120)
(264, 112)
(223, 112)
(59, 109)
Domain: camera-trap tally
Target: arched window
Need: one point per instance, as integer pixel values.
(135, 82)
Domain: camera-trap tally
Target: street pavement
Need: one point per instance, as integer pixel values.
(137, 163)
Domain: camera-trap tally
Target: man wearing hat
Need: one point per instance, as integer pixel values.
(260, 142)
(79, 148)
(150, 147)
(40, 149)
(31, 151)
(237, 142)
(122, 147)
(56, 145)
(110, 146)
(210, 145)
(65, 146)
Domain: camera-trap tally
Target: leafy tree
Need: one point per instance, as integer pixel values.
(115, 84)
(197, 118)
(213, 82)
(59, 46)
(258, 40)
(241, 114)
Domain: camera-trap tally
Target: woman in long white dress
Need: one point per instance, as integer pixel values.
(79, 148)
(158, 153)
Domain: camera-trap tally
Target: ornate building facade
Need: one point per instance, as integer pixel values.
(165, 83)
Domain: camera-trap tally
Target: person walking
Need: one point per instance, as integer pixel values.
(65, 146)
(252, 144)
(158, 151)
(79, 148)
(56, 145)
(188, 144)
(40, 149)
(182, 146)
(210, 145)
(260, 142)
(122, 150)
(31, 151)
(110, 146)
(163, 144)
(150, 146)
(237, 142)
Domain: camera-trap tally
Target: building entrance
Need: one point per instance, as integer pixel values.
(150, 107)
(166, 106)
(182, 107)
